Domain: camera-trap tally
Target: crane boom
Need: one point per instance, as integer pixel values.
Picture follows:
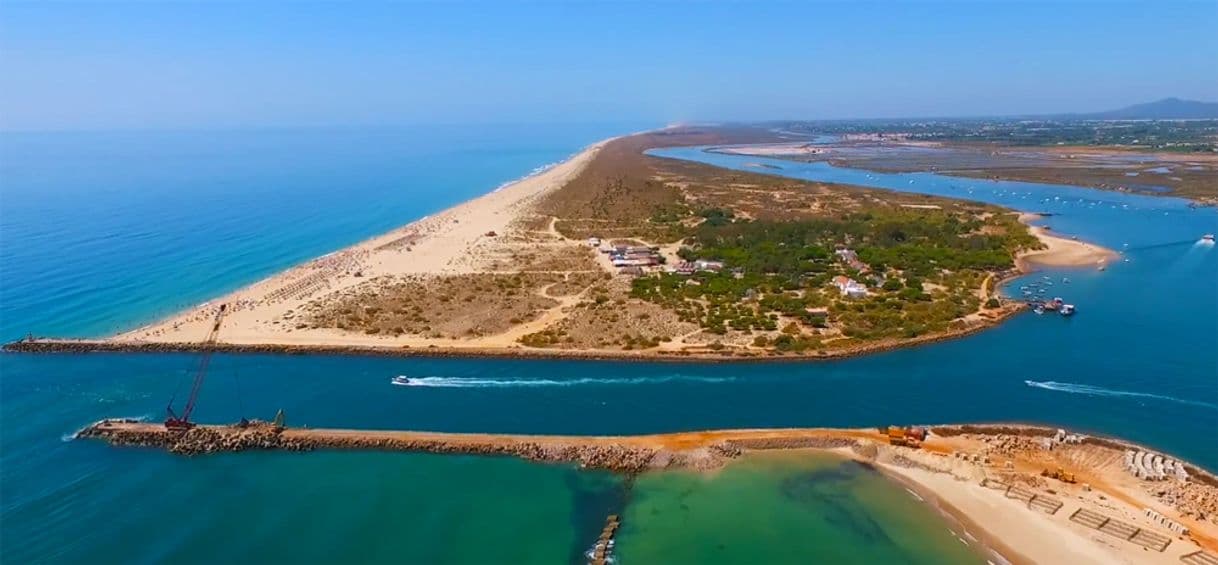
(172, 421)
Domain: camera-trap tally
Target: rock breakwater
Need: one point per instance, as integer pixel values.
(702, 355)
(261, 436)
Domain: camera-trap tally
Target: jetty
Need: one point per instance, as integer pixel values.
(602, 552)
(964, 467)
(628, 454)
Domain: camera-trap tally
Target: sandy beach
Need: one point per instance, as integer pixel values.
(463, 239)
(1061, 251)
(496, 276)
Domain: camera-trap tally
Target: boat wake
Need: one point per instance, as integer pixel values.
(455, 382)
(1090, 390)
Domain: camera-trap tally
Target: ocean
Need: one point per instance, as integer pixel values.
(101, 232)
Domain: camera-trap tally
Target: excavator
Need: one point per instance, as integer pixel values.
(176, 423)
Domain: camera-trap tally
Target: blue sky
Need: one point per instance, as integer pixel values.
(101, 65)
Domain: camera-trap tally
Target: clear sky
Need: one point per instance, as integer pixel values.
(103, 65)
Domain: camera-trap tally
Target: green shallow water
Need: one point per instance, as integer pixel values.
(792, 507)
(340, 507)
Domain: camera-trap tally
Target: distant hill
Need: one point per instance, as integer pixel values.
(1165, 109)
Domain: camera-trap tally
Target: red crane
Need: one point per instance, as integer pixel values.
(183, 423)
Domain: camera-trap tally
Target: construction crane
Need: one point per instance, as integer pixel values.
(183, 423)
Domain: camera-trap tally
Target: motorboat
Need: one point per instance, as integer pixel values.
(402, 381)
(1209, 237)
(1066, 310)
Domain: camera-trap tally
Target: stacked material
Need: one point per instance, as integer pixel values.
(1153, 467)
(1062, 437)
(1166, 522)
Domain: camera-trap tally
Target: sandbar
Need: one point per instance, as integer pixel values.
(1061, 251)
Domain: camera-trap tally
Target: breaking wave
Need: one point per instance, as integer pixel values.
(1090, 390)
(456, 382)
(69, 437)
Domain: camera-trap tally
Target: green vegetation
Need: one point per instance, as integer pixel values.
(922, 271)
(1188, 136)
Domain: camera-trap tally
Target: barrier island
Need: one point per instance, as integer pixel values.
(617, 254)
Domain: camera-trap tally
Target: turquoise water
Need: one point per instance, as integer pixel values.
(104, 231)
(783, 508)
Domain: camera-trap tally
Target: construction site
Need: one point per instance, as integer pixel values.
(1036, 479)
(1012, 484)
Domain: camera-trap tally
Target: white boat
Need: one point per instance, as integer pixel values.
(402, 381)
(1208, 237)
(1067, 310)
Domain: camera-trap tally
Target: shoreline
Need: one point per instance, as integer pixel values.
(1060, 252)
(272, 315)
(43, 346)
(812, 153)
(962, 471)
(434, 244)
(971, 526)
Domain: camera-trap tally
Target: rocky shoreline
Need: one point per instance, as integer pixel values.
(83, 346)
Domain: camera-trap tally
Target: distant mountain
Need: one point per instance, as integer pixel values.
(1165, 109)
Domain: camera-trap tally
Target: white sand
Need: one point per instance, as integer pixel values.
(443, 244)
(1062, 252)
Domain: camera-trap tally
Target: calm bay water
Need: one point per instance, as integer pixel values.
(798, 509)
(100, 232)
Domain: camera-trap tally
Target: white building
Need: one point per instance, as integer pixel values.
(850, 287)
